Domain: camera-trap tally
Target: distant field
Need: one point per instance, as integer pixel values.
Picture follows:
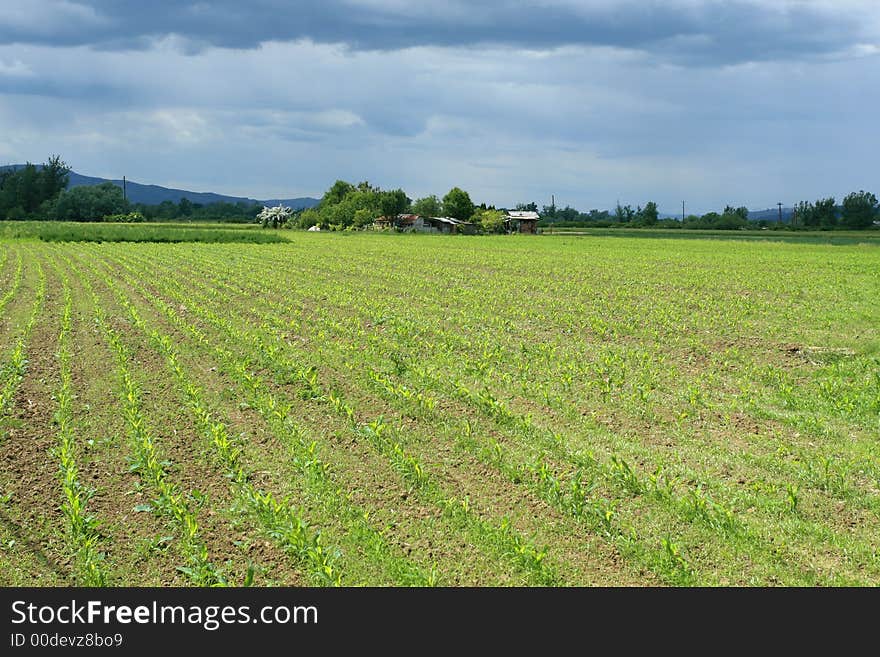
(801, 237)
(395, 410)
(68, 231)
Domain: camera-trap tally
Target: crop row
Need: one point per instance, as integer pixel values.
(82, 526)
(694, 504)
(500, 537)
(13, 371)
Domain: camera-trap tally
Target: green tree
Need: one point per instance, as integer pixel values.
(393, 203)
(457, 204)
(90, 203)
(20, 190)
(742, 212)
(54, 177)
(859, 209)
(308, 218)
(648, 215)
(31, 190)
(338, 191)
(567, 213)
(730, 221)
(16, 214)
(624, 213)
(491, 221)
(427, 207)
(184, 207)
(825, 212)
(805, 214)
(548, 213)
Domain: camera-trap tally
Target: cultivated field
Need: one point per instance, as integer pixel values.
(416, 410)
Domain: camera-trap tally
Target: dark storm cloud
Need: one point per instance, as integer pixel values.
(683, 31)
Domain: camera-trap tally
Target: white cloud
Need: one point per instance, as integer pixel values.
(15, 68)
(48, 17)
(589, 124)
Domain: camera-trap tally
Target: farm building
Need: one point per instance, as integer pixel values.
(418, 223)
(520, 221)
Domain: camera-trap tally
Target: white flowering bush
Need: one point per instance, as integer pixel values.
(275, 217)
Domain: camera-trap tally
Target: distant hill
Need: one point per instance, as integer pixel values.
(155, 194)
(771, 214)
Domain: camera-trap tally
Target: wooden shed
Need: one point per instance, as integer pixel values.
(521, 221)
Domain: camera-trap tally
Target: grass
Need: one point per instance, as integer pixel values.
(52, 231)
(837, 237)
(420, 410)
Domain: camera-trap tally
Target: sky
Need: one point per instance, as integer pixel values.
(590, 102)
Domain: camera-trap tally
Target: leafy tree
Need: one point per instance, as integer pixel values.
(648, 215)
(363, 217)
(185, 207)
(624, 214)
(428, 206)
(567, 213)
(54, 176)
(90, 203)
(167, 210)
(338, 191)
(308, 218)
(527, 207)
(393, 203)
(457, 204)
(20, 189)
(16, 214)
(805, 214)
(30, 190)
(742, 212)
(345, 205)
(730, 221)
(859, 209)
(491, 221)
(825, 212)
(548, 213)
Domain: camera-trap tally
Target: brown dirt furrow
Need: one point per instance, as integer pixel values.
(28, 471)
(136, 543)
(368, 478)
(233, 543)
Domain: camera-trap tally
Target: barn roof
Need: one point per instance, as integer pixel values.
(523, 215)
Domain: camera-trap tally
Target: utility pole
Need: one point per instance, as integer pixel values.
(682, 212)
(124, 194)
(780, 212)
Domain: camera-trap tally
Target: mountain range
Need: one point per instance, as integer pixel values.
(155, 194)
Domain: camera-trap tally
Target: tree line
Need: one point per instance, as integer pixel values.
(348, 206)
(859, 210)
(39, 193)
